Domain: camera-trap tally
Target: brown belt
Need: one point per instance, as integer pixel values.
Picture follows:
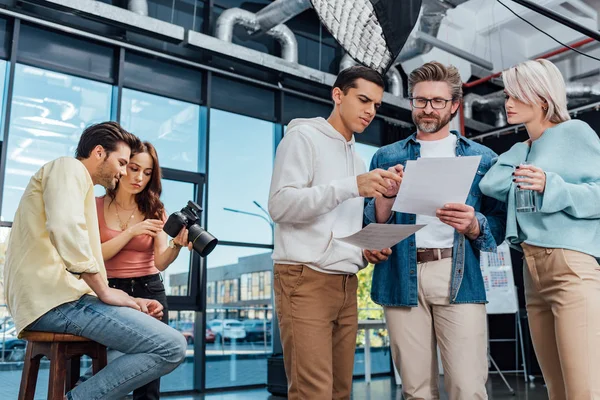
(428, 255)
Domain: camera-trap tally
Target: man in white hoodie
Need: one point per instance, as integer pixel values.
(316, 191)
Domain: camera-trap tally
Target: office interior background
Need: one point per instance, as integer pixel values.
(215, 101)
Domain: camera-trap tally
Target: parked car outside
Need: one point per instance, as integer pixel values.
(257, 329)
(227, 329)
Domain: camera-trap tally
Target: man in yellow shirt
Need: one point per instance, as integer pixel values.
(54, 275)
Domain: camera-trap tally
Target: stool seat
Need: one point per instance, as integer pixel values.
(64, 352)
(52, 337)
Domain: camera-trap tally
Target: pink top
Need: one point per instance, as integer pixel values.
(135, 259)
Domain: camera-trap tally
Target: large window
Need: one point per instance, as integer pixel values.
(172, 126)
(175, 196)
(238, 327)
(240, 166)
(49, 112)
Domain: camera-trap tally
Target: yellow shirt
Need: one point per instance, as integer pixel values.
(54, 239)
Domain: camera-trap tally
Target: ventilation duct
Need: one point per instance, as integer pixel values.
(279, 12)
(139, 7)
(236, 16)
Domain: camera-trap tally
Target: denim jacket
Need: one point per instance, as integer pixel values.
(395, 280)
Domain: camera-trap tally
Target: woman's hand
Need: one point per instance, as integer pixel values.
(181, 240)
(147, 227)
(533, 177)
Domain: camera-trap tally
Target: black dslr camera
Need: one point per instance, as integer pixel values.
(189, 217)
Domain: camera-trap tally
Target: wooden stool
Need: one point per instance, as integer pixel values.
(64, 352)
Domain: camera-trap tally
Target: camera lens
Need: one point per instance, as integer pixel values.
(203, 241)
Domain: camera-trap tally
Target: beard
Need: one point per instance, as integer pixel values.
(105, 177)
(431, 126)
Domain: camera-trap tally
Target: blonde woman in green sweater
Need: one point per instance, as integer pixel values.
(560, 233)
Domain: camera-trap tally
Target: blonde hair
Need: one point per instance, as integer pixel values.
(539, 82)
(437, 72)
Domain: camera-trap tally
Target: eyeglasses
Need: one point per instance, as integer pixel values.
(436, 104)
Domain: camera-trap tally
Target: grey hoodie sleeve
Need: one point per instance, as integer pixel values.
(292, 198)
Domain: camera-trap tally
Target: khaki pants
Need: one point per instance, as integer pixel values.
(318, 319)
(562, 289)
(460, 330)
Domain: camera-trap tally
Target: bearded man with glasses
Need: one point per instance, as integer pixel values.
(431, 287)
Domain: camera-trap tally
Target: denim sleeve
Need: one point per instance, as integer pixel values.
(369, 214)
(492, 224)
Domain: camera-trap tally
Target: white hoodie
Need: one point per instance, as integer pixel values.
(314, 197)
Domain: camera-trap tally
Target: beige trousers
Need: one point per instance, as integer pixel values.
(318, 319)
(562, 289)
(460, 330)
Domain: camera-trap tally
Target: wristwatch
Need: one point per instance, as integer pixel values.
(173, 245)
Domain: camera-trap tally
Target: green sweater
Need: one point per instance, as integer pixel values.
(568, 212)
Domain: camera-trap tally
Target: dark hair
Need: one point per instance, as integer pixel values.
(106, 134)
(346, 79)
(148, 200)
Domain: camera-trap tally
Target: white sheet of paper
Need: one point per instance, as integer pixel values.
(429, 183)
(380, 236)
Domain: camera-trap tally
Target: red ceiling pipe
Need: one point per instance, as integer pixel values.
(497, 74)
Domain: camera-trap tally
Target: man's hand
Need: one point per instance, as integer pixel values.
(533, 177)
(116, 297)
(151, 307)
(394, 186)
(375, 183)
(461, 217)
(376, 256)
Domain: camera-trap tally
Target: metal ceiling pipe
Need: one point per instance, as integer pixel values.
(347, 62)
(500, 119)
(236, 16)
(139, 7)
(229, 19)
(429, 22)
(392, 77)
(447, 47)
(287, 40)
(394, 81)
(279, 12)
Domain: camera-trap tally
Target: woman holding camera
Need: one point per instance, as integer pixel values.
(134, 246)
(554, 218)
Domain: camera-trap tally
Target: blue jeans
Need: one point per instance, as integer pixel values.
(150, 348)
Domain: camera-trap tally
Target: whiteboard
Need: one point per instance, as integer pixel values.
(499, 282)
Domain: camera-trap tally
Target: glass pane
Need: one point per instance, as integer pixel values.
(182, 378)
(172, 126)
(240, 166)
(12, 349)
(238, 335)
(175, 196)
(378, 336)
(366, 152)
(49, 112)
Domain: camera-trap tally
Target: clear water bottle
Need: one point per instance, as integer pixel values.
(525, 198)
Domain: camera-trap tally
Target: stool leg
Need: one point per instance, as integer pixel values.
(30, 373)
(58, 372)
(99, 361)
(73, 372)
